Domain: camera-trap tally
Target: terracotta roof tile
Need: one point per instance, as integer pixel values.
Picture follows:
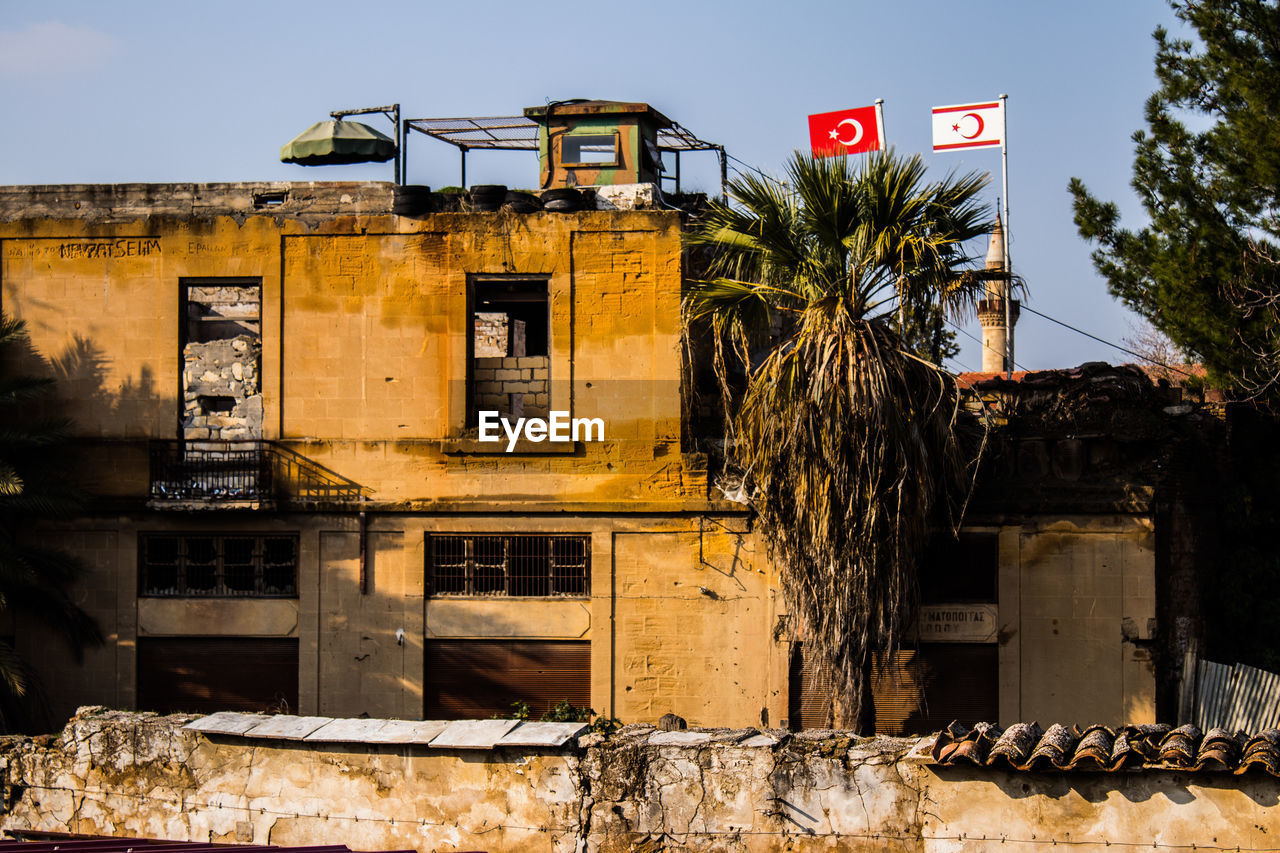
(1025, 746)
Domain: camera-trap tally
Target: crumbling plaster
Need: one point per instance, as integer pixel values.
(639, 789)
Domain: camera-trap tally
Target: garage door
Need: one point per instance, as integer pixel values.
(477, 679)
(208, 674)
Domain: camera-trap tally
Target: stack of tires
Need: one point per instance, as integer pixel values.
(411, 200)
(519, 202)
(562, 200)
(487, 198)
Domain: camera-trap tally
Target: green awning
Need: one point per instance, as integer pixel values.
(330, 143)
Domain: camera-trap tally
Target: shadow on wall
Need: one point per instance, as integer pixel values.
(133, 410)
(82, 394)
(98, 415)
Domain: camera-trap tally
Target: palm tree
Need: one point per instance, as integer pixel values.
(846, 441)
(35, 484)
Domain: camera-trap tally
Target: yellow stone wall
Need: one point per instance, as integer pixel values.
(365, 338)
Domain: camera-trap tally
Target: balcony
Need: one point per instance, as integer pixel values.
(240, 475)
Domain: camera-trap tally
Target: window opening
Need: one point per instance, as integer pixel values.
(218, 566)
(962, 570)
(525, 566)
(589, 149)
(221, 359)
(510, 366)
(269, 198)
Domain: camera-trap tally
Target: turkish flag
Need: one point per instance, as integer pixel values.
(852, 131)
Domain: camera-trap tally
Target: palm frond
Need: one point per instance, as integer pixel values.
(14, 674)
(848, 442)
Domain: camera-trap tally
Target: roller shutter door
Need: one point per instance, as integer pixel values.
(208, 674)
(809, 700)
(477, 679)
(925, 689)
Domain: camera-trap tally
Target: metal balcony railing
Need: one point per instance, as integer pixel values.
(240, 472)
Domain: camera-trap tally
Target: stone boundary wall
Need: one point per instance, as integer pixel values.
(118, 773)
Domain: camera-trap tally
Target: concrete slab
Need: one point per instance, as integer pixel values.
(351, 730)
(542, 734)
(473, 734)
(287, 727)
(408, 731)
(227, 723)
(679, 738)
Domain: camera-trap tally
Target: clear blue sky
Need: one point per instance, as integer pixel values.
(131, 91)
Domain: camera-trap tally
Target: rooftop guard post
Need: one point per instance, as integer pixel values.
(520, 133)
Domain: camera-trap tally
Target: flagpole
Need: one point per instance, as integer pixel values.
(880, 121)
(1008, 267)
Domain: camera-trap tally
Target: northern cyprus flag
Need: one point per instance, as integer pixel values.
(968, 126)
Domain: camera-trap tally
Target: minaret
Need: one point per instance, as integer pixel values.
(991, 309)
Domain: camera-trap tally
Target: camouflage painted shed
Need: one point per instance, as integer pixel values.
(597, 143)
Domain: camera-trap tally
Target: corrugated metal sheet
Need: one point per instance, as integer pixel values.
(476, 679)
(1239, 698)
(927, 688)
(809, 700)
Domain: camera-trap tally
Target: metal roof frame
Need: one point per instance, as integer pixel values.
(518, 133)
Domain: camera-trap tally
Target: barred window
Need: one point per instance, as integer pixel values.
(508, 565)
(218, 566)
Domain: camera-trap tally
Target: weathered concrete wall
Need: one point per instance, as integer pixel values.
(123, 774)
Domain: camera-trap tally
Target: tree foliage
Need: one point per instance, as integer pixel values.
(1207, 170)
(846, 440)
(35, 485)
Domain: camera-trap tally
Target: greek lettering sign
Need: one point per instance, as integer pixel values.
(958, 623)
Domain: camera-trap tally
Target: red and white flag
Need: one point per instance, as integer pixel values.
(852, 131)
(968, 126)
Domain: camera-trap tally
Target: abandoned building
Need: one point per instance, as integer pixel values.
(277, 388)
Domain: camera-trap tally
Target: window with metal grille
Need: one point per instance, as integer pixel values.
(508, 565)
(218, 566)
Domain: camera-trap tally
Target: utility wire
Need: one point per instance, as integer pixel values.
(762, 174)
(983, 343)
(1108, 343)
